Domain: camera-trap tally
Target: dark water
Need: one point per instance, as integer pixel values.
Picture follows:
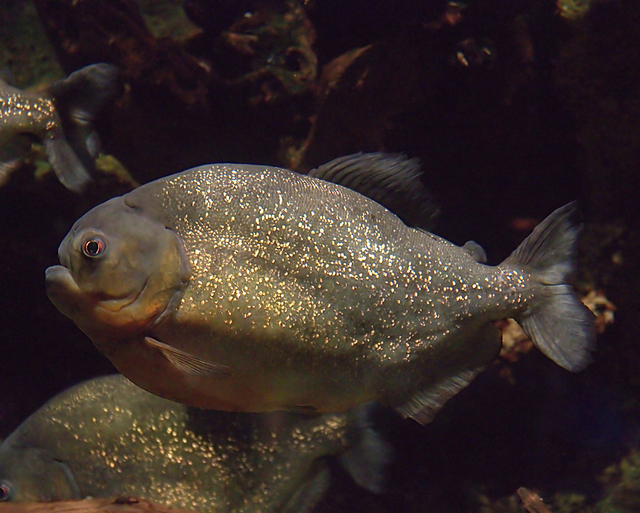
(515, 108)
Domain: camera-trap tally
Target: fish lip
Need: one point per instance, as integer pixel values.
(59, 277)
(62, 288)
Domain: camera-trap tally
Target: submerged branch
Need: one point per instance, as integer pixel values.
(111, 505)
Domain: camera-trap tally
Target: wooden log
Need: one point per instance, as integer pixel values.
(121, 504)
(532, 502)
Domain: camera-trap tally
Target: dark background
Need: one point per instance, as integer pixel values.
(514, 108)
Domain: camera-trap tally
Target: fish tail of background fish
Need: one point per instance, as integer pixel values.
(365, 460)
(368, 455)
(72, 145)
(557, 322)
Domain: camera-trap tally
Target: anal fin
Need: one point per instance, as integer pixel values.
(423, 406)
(187, 362)
(368, 455)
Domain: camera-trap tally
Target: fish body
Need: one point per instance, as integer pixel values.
(252, 288)
(62, 120)
(21, 112)
(107, 437)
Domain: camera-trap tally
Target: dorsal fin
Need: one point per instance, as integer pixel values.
(393, 180)
(476, 251)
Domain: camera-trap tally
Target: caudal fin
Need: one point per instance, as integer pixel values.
(368, 454)
(558, 324)
(79, 98)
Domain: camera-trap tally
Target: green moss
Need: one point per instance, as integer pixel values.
(622, 486)
(166, 18)
(573, 9)
(570, 503)
(111, 166)
(24, 47)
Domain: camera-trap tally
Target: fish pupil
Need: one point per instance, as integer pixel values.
(93, 247)
(5, 492)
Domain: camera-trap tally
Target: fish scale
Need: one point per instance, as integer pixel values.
(26, 113)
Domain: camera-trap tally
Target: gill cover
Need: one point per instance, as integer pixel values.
(32, 474)
(121, 269)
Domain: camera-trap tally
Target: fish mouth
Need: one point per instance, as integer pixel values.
(66, 295)
(62, 290)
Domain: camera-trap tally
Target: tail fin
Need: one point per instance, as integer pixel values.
(70, 170)
(368, 454)
(559, 325)
(79, 98)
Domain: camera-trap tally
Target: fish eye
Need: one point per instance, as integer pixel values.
(5, 492)
(93, 247)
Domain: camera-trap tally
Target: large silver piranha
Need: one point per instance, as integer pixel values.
(107, 437)
(254, 288)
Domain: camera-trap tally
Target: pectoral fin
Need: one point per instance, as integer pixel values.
(187, 362)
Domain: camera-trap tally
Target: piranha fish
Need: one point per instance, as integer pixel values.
(253, 288)
(107, 437)
(62, 120)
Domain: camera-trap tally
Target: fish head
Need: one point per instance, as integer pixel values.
(32, 474)
(121, 269)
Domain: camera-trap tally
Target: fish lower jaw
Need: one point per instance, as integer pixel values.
(63, 291)
(115, 305)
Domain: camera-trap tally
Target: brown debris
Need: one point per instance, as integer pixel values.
(365, 90)
(604, 309)
(532, 501)
(87, 31)
(121, 504)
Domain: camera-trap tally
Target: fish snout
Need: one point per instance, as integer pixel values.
(62, 289)
(63, 253)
